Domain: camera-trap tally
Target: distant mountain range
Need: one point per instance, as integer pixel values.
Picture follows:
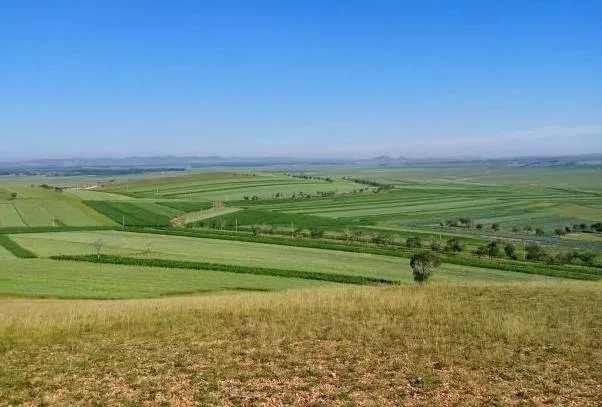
(110, 165)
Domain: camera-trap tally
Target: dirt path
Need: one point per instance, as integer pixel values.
(190, 217)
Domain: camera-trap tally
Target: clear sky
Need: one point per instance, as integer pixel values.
(333, 78)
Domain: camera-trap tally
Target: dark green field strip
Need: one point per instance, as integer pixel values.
(16, 249)
(229, 268)
(134, 214)
(427, 209)
(187, 206)
(248, 217)
(572, 272)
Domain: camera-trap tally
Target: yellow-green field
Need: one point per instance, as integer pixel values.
(47, 278)
(34, 206)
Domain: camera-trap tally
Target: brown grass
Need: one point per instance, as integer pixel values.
(510, 345)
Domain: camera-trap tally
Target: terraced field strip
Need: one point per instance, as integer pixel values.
(247, 254)
(87, 195)
(63, 279)
(134, 213)
(250, 217)
(9, 217)
(232, 187)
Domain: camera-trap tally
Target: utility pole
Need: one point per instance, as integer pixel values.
(236, 219)
(123, 221)
(292, 229)
(52, 220)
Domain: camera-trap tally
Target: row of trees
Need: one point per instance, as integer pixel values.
(466, 222)
(378, 185)
(454, 245)
(294, 195)
(306, 176)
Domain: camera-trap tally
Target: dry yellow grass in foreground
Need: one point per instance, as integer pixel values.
(510, 345)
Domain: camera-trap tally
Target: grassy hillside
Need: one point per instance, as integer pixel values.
(527, 345)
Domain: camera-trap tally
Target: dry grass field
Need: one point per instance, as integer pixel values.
(531, 344)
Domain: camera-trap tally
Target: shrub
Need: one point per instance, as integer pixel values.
(413, 242)
(535, 252)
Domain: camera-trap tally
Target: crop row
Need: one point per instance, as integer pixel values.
(149, 262)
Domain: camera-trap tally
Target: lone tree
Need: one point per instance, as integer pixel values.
(98, 245)
(423, 264)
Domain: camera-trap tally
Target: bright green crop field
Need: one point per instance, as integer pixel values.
(250, 254)
(61, 279)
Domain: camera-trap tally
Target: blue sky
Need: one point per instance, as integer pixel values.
(299, 78)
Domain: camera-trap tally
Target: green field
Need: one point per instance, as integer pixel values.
(60, 279)
(5, 254)
(250, 254)
(502, 336)
(35, 206)
(134, 213)
(227, 186)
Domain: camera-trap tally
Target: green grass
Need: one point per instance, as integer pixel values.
(5, 253)
(250, 254)
(64, 279)
(505, 345)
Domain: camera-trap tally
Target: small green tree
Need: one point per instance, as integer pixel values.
(496, 227)
(481, 251)
(423, 264)
(535, 252)
(493, 249)
(510, 251)
(539, 232)
(454, 245)
(588, 258)
(413, 242)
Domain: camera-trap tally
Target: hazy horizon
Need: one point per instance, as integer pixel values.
(316, 79)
